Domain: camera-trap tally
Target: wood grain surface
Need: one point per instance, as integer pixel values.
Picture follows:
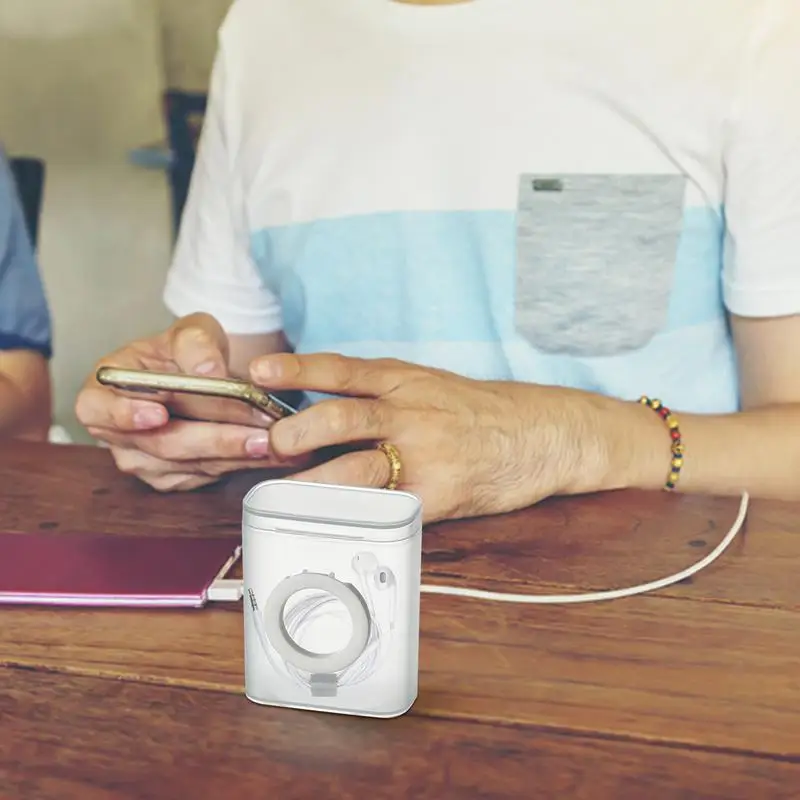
(645, 694)
(91, 739)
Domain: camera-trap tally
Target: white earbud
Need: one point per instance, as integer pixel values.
(365, 563)
(376, 576)
(384, 579)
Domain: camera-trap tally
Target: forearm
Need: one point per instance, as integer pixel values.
(25, 411)
(627, 445)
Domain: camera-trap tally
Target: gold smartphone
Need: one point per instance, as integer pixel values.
(144, 381)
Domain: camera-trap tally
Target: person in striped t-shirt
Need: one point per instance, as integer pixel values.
(490, 227)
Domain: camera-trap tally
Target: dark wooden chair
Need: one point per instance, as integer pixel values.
(29, 175)
(185, 112)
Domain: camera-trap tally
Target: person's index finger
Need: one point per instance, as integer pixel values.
(326, 372)
(102, 407)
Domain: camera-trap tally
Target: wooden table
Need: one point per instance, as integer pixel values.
(692, 692)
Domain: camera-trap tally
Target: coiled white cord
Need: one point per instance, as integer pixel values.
(611, 594)
(309, 611)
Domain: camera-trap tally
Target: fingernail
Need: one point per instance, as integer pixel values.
(257, 444)
(264, 369)
(148, 417)
(206, 368)
(262, 418)
(270, 368)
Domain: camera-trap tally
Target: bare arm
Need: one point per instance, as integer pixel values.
(757, 449)
(25, 398)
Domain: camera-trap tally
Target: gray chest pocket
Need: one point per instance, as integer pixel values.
(595, 260)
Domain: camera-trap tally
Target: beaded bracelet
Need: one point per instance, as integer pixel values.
(675, 434)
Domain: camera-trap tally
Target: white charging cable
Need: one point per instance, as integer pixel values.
(367, 663)
(611, 594)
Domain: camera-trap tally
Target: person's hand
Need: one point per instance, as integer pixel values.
(176, 441)
(467, 447)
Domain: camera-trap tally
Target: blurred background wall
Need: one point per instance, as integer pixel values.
(81, 86)
(189, 31)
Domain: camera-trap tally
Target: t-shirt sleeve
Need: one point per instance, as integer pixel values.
(24, 312)
(212, 269)
(761, 272)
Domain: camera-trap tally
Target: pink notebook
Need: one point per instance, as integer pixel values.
(105, 570)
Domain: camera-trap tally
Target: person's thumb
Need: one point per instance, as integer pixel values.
(199, 346)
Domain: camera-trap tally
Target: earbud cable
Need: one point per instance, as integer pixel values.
(611, 594)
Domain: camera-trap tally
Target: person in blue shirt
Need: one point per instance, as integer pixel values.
(25, 325)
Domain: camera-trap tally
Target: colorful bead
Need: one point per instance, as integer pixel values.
(676, 443)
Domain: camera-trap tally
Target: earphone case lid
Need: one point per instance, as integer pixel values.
(335, 511)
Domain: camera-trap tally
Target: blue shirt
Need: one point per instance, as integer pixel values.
(24, 313)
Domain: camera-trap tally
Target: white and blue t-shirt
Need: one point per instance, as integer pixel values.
(571, 193)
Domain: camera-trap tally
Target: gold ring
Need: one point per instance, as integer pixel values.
(395, 464)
